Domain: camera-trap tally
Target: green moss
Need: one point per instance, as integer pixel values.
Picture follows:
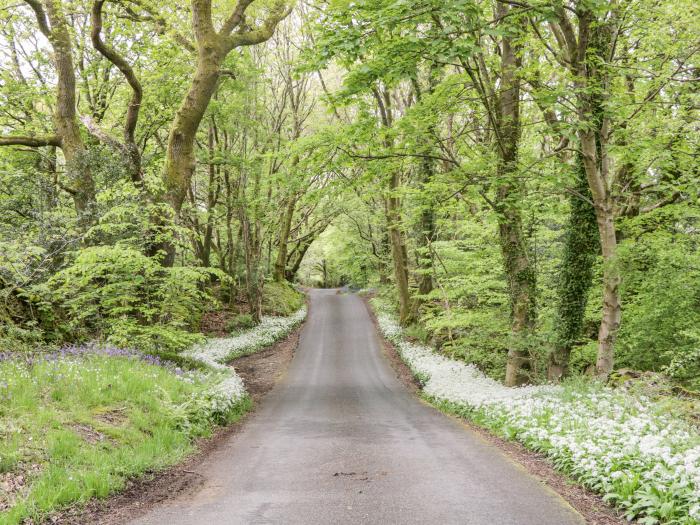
(281, 299)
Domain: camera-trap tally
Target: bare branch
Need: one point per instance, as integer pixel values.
(110, 54)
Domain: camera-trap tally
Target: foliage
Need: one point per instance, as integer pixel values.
(240, 321)
(281, 298)
(128, 299)
(663, 286)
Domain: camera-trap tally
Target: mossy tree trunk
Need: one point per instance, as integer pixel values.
(398, 251)
(212, 48)
(519, 269)
(581, 247)
(51, 20)
(280, 270)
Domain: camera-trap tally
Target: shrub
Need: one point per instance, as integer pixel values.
(281, 298)
(122, 296)
(240, 322)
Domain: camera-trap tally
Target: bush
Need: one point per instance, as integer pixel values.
(281, 298)
(127, 333)
(119, 295)
(240, 322)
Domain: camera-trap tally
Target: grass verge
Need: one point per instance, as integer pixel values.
(77, 427)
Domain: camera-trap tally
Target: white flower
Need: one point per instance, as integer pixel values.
(215, 352)
(601, 436)
(226, 393)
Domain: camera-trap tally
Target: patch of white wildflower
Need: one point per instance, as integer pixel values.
(228, 389)
(216, 351)
(624, 447)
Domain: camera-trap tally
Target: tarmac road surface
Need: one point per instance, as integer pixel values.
(340, 440)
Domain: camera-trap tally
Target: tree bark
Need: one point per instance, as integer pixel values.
(52, 23)
(594, 42)
(518, 267)
(398, 252)
(280, 271)
(427, 233)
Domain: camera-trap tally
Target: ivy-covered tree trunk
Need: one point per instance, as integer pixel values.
(427, 233)
(592, 87)
(521, 278)
(581, 247)
(382, 265)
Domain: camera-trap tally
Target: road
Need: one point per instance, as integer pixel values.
(341, 440)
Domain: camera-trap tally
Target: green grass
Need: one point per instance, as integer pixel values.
(281, 299)
(79, 428)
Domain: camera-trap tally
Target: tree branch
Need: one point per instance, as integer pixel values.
(34, 142)
(256, 36)
(104, 137)
(40, 16)
(132, 114)
(236, 17)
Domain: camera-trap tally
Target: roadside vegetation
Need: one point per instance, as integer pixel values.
(633, 450)
(519, 179)
(79, 422)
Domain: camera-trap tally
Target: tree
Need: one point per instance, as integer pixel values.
(51, 20)
(212, 47)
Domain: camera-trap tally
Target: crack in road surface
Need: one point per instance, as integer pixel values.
(340, 440)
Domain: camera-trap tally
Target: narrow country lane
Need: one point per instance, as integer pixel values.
(341, 440)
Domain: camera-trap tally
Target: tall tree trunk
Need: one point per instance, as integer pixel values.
(519, 269)
(384, 253)
(522, 288)
(280, 271)
(252, 271)
(581, 247)
(398, 251)
(65, 117)
(180, 158)
(594, 135)
(427, 234)
(51, 20)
